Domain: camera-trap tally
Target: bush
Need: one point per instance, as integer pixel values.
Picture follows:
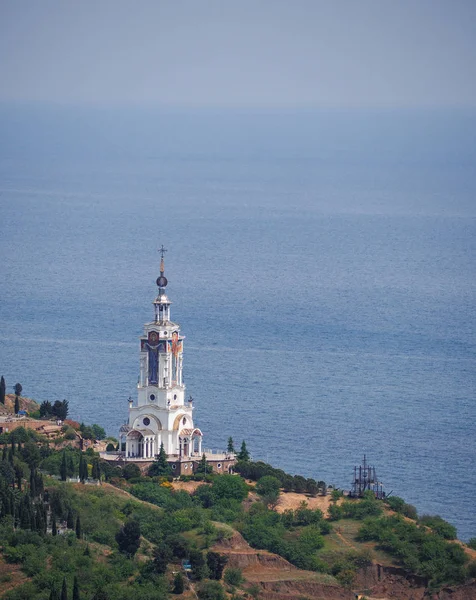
(268, 488)
(423, 552)
(131, 471)
(233, 576)
(211, 590)
(439, 526)
(70, 434)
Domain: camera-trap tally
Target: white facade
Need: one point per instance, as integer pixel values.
(161, 414)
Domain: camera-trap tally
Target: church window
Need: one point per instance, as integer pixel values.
(175, 396)
(184, 420)
(152, 397)
(219, 466)
(146, 421)
(174, 467)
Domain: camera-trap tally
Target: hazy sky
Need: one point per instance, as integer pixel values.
(252, 53)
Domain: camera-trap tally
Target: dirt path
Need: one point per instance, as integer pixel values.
(344, 540)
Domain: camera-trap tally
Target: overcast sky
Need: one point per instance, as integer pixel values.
(245, 53)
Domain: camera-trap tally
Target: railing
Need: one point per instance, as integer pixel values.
(221, 452)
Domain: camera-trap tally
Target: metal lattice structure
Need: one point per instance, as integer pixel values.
(365, 478)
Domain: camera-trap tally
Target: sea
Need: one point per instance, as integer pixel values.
(321, 264)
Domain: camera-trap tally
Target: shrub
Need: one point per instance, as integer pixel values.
(211, 590)
(131, 471)
(439, 526)
(268, 488)
(233, 576)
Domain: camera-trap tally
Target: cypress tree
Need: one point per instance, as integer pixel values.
(39, 484)
(54, 594)
(178, 584)
(54, 530)
(75, 589)
(78, 527)
(243, 453)
(25, 513)
(83, 469)
(17, 405)
(18, 475)
(70, 469)
(64, 590)
(231, 446)
(4, 452)
(63, 467)
(204, 467)
(33, 483)
(70, 519)
(2, 390)
(96, 471)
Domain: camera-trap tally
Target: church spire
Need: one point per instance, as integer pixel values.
(162, 303)
(162, 280)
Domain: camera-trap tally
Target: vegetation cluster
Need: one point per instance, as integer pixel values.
(89, 541)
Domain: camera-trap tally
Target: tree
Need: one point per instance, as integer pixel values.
(131, 471)
(160, 467)
(75, 588)
(204, 466)
(2, 390)
(17, 405)
(46, 410)
(162, 557)
(64, 467)
(216, 563)
(243, 454)
(18, 389)
(60, 409)
(98, 431)
(83, 469)
(199, 567)
(178, 584)
(70, 519)
(31, 454)
(211, 590)
(78, 527)
(128, 538)
(54, 530)
(54, 594)
(233, 576)
(64, 590)
(229, 486)
(268, 488)
(312, 487)
(230, 447)
(96, 470)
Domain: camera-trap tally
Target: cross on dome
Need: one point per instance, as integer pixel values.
(162, 280)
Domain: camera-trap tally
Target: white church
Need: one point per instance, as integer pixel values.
(162, 413)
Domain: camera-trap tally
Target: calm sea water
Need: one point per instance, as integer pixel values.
(321, 267)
